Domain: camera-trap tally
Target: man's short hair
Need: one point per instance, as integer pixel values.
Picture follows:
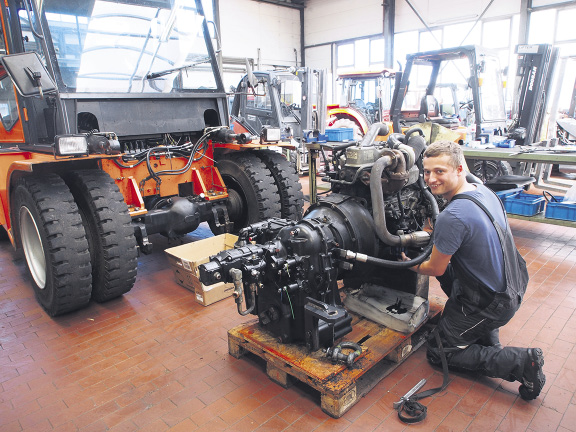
(446, 148)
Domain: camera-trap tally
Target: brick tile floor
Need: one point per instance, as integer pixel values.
(155, 360)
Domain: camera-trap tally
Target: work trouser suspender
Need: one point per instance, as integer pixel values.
(408, 407)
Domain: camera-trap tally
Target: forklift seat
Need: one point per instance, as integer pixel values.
(505, 182)
(429, 106)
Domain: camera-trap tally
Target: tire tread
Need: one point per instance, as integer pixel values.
(69, 272)
(262, 183)
(287, 181)
(116, 261)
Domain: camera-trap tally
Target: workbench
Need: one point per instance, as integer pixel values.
(530, 154)
(537, 161)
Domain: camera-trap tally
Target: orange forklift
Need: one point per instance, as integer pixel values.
(365, 98)
(113, 117)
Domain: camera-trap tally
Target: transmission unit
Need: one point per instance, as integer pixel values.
(290, 273)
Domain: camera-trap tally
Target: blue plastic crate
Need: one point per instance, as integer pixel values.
(340, 134)
(557, 209)
(507, 143)
(507, 193)
(524, 204)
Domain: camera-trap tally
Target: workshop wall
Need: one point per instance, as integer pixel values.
(267, 33)
(319, 57)
(327, 21)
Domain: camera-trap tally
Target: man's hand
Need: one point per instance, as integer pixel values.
(435, 266)
(406, 258)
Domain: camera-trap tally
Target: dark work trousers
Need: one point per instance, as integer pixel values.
(469, 327)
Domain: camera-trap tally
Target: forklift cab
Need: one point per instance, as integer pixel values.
(261, 105)
(368, 92)
(105, 58)
(290, 99)
(418, 96)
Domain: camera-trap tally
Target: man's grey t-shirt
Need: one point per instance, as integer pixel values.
(464, 231)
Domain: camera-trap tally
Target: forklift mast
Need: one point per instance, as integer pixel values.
(534, 74)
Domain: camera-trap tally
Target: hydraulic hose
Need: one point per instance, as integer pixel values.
(381, 262)
(380, 222)
(396, 139)
(375, 130)
(410, 155)
(238, 293)
(418, 144)
(342, 146)
(411, 131)
(428, 195)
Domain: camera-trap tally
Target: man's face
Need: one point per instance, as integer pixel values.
(442, 178)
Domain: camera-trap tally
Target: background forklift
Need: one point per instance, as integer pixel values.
(364, 100)
(291, 99)
(114, 127)
(480, 109)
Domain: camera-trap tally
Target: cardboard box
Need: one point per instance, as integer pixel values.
(185, 260)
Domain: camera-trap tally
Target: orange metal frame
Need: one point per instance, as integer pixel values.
(131, 179)
(134, 181)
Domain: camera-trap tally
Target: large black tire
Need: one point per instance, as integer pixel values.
(49, 229)
(113, 248)
(3, 234)
(486, 170)
(253, 196)
(287, 183)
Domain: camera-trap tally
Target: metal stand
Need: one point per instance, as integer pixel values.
(313, 149)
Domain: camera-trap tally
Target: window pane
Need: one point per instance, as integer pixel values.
(567, 86)
(567, 50)
(542, 27)
(454, 34)
(429, 40)
(496, 34)
(565, 28)
(377, 51)
(119, 46)
(361, 54)
(404, 43)
(345, 55)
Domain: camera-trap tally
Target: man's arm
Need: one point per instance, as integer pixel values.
(435, 266)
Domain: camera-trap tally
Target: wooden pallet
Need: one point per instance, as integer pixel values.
(340, 387)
